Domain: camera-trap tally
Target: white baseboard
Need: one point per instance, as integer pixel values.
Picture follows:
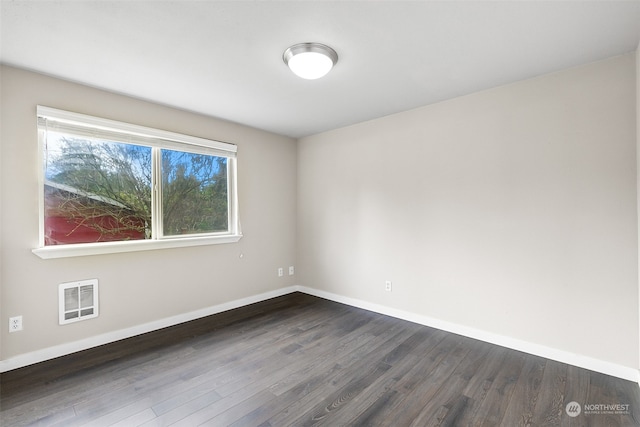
(590, 363)
(562, 356)
(72, 347)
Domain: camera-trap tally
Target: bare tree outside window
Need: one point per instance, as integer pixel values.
(194, 193)
(98, 190)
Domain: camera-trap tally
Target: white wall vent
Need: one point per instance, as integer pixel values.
(78, 301)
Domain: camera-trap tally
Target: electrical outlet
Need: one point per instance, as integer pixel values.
(280, 272)
(291, 270)
(15, 324)
(387, 286)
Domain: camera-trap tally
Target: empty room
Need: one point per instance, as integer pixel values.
(337, 213)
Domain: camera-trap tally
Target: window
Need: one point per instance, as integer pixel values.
(108, 186)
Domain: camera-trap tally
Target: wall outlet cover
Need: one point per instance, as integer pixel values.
(15, 324)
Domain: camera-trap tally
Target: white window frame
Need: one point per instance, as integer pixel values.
(81, 123)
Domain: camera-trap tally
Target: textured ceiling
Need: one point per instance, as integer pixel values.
(224, 58)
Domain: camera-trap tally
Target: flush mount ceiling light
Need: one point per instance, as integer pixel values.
(310, 60)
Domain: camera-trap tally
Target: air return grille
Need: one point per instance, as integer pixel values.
(78, 301)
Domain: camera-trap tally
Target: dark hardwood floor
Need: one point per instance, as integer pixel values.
(299, 360)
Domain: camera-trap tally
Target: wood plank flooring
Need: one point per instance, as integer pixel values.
(299, 360)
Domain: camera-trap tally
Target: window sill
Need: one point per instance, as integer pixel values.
(84, 249)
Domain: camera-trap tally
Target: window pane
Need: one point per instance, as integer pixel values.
(95, 190)
(194, 193)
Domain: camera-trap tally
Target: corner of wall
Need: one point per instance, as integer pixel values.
(638, 178)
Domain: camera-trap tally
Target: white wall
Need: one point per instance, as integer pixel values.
(141, 287)
(511, 211)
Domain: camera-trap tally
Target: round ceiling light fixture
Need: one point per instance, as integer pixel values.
(310, 60)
